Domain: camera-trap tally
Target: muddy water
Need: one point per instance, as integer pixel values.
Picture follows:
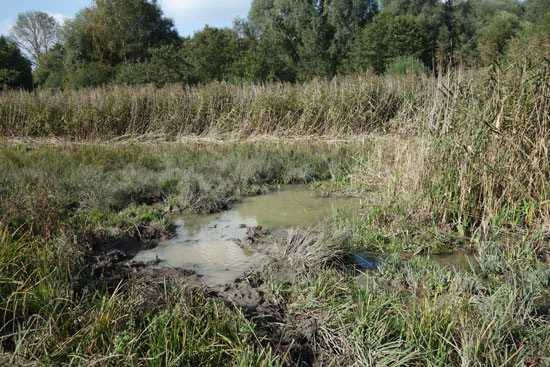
(206, 243)
(459, 261)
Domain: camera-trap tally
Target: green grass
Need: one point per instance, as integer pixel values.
(50, 190)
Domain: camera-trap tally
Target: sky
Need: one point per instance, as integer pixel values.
(188, 15)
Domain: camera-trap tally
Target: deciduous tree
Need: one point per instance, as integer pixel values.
(35, 32)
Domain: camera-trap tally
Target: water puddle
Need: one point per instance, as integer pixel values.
(367, 261)
(206, 243)
(459, 261)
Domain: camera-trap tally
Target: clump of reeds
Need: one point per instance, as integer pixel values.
(310, 249)
(490, 164)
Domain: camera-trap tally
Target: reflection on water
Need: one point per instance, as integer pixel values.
(206, 243)
(367, 261)
(293, 207)
(459, 261)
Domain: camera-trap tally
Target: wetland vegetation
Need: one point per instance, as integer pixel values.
(451, 164)
(74, 214)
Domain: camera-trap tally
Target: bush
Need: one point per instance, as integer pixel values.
(89, 74)
(402, 65)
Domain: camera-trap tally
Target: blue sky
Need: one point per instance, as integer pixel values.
(188, 15)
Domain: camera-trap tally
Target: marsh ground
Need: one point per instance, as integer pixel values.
(72, 216)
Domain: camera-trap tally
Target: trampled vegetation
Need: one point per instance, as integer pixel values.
(452, 161)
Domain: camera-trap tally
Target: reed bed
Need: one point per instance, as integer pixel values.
(342, 106)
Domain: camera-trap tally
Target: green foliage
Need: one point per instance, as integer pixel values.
(89, 74)
(310, 38)
(495, 35)
(50, 72)
(387, 37)
(112, 32)
(536, 10)
(168, 64)
(123, 30)
(213, 53)
(77, 40)
(282, 40)
(15, 69)
(402, 65)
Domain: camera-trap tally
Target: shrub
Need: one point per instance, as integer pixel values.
(402, 65)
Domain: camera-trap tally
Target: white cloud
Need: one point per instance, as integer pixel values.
(5, 26)
(192, 15)
(61, 19)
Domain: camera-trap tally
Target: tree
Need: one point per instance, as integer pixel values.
(111, 33)
(451, 28)
(309, 36)
(536, 10)
(15, 69)
(408, 7)
(115, 31)
(213, 52)
(77, 40)
(496, 34)
(35, 32)
(387, 37)
(50, 72)
(123, 30)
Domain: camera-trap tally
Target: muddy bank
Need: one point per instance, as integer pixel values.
(287, 332)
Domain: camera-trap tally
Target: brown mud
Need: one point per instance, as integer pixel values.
(288, 333)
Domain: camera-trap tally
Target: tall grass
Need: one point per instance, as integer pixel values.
(489, 165)
(344, 105)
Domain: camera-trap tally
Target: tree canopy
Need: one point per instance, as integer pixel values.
(35, 32)
(132, 42)
(15, 69)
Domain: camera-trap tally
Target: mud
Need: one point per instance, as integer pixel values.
(289, 334)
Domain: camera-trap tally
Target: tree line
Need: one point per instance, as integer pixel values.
(132, 42)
